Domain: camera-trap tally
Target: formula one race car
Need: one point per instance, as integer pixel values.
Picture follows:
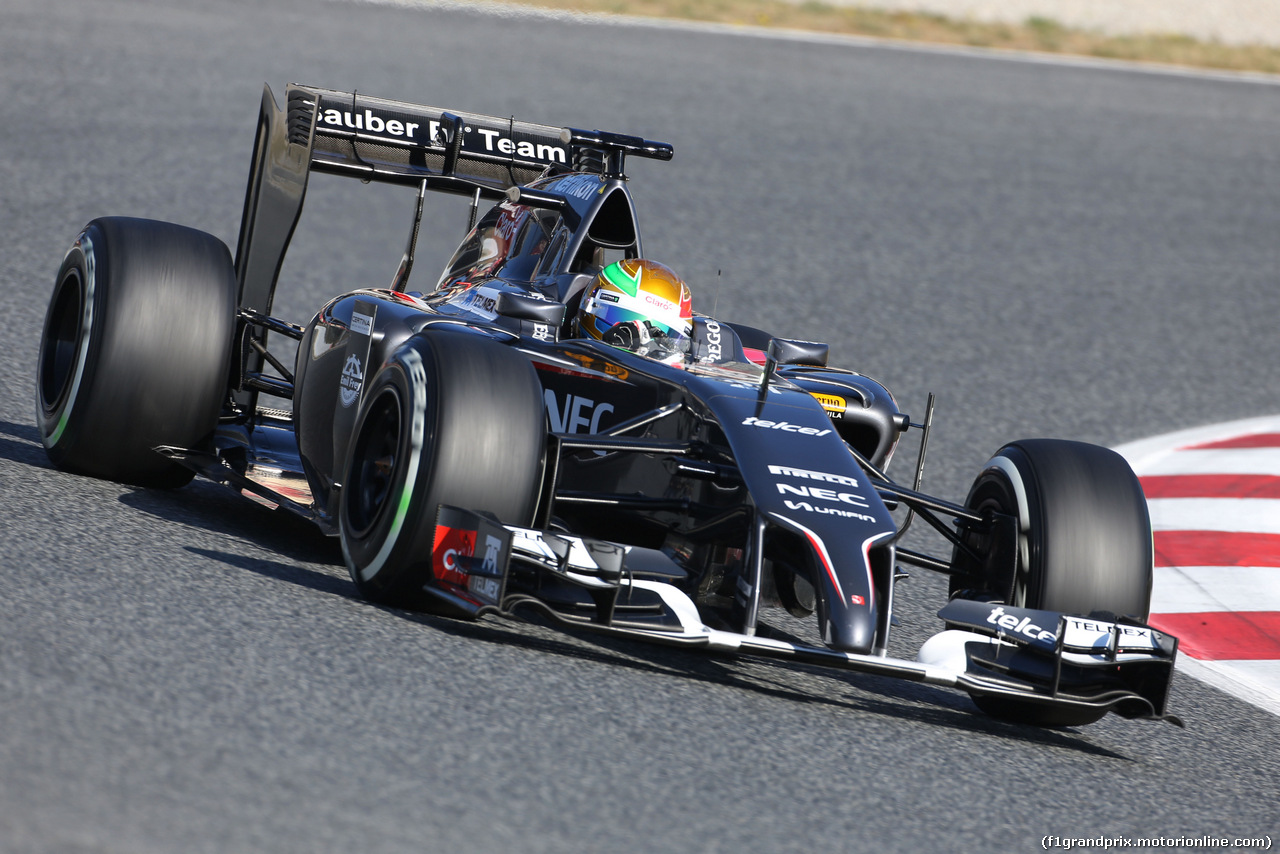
(495, 443)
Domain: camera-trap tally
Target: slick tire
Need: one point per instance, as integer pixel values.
(453, 417)
(135, 349)
(1084, 542)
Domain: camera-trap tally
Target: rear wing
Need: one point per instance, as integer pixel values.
(373, 139)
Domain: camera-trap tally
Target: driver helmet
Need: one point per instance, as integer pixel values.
(638, 304)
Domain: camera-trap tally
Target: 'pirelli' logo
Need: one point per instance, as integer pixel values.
(805, 474)
(830, 402)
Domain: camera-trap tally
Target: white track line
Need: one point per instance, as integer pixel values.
(1193, 589)
(1256, 682)
(1143, 453)
(1216, 461)
(1255, 515)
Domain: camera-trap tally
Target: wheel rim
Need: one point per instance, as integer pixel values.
(373, 465)
(993, 493)
(61, 341)
(1021, 573)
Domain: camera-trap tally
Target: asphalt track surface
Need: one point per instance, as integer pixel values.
(1055, 250)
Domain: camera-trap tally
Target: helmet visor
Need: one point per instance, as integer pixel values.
(608, 314)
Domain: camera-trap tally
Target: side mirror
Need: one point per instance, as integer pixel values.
(528, 308)
(539, 317)
(786, 351)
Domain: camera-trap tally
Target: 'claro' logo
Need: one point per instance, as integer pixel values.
(784, 426)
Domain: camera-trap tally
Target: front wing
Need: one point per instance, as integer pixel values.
(480, 567)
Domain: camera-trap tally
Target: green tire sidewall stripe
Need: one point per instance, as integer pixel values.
(85, 245)
(417, 375)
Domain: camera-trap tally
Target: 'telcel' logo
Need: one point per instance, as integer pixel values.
(784, 426)
(1024, 627)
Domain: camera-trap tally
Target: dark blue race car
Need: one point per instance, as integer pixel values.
(549, 428)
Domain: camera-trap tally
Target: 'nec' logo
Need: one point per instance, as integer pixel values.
(576, 413)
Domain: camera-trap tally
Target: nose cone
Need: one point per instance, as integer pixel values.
(851, 628)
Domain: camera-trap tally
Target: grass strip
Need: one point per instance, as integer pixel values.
(1034, 34)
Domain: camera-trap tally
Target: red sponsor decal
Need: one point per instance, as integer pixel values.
(1216, 548)
(857, 600)
(408, 300)
(826, 561)
(451, 544)
(1224, 635)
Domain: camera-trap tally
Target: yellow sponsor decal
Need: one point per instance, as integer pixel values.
(830, 402)
(600, 365)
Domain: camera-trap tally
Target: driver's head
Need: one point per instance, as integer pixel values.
(636, 302)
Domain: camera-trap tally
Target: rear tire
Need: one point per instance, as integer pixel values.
(135, 349)
(451, 418)
(1084, 545)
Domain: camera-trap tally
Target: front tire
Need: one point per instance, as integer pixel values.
(135, 349)
(451, 418)
(1083, 545)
